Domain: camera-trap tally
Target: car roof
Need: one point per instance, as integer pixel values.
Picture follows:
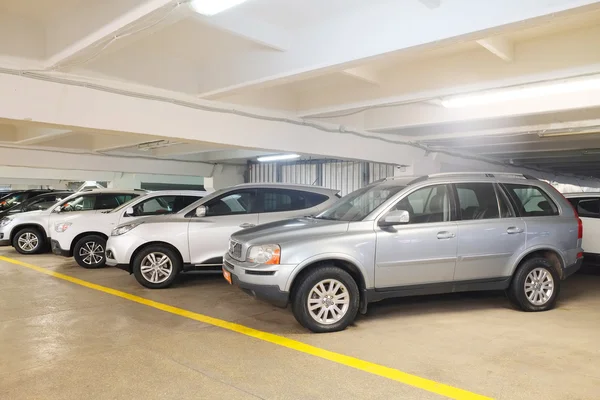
(582, 194)
(311, 188)
(177, 192)
(126, 191)
(497, 177)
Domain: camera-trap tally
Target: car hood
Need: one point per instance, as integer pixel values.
(290, 230)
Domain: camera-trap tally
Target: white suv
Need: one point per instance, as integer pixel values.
(156, 249)
(29, 232)
(84, 236)
(587, 206)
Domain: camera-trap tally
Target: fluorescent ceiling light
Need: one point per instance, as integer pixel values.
(278, 157)
(534, 90)
(212, 7)
(566, 133)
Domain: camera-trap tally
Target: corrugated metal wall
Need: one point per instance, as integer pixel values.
(346, 176)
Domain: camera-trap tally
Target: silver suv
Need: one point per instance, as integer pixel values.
(400, 237)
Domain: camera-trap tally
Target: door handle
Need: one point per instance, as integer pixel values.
(445, 235)
(247, 225)
(513, 230)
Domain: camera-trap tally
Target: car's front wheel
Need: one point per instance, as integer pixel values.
(156, 267)
(535, 286)
(89, 252)
(326, 300)
(29, 241)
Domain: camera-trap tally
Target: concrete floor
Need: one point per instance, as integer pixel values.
(59, 340)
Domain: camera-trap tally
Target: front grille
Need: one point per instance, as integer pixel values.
(235, 250)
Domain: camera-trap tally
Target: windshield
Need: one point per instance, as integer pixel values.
(125, 205)
(12, 200)
(360, 203)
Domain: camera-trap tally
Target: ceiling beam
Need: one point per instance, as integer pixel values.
(8, 133)
(431, 4)
(249, 29)
(500, 47)
(331, 45)
(145, 14)
(104, 143)
(29, 136)
(183, 149)
(363, 74)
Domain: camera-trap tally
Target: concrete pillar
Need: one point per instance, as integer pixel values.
(225, 176)
(125, 181)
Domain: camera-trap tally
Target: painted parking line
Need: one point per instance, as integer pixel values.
(366, 366)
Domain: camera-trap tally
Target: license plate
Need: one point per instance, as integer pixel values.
(227, 276)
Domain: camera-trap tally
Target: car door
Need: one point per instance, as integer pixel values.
(588, 209)
(423, 251)
(276, 204)
(226, 214)
(489, 232)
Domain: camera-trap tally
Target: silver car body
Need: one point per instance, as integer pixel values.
(411, 259)
(201, 241)
(587, 206)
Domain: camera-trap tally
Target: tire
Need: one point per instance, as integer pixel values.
(89, 252)
(146, 267)
(543, 286)
(29, 241)
(334, 316)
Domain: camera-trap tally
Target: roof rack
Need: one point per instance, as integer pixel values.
(486, 174)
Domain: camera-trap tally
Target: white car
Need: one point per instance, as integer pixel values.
(84, 236)
(156, 249)
(588, 208)
(29, 232)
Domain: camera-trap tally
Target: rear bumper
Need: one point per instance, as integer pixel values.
(56, 249)
(571, 269)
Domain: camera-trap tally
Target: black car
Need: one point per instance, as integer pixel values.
(29, 200)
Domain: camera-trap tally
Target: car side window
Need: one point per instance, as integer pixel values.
(477, 201)
(429, 204)
(81, 203)
(588, 207)
(232, 203)
(531, 200)
(161, 205)
(280, 200)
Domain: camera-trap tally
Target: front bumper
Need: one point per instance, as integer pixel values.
(571, 269)
(5, 236)
(56, 249)
(119, 250)
(268, 291)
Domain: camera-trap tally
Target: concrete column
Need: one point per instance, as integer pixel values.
(125, 181)
(225, 176)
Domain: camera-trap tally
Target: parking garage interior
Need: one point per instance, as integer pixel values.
(201, 95)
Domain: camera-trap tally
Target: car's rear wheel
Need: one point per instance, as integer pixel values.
(89, 252)
(29, 241)
(156, 267)
(326, 300)
(535, 285)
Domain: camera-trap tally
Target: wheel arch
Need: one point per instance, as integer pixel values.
(154, 243)
(81, 236)
(551, 254)
(32, 225)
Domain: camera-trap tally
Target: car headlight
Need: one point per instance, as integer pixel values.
(265, 254)
(120, 230)
(62, 226)
(5, 221)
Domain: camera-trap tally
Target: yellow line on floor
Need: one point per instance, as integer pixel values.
(366, 366)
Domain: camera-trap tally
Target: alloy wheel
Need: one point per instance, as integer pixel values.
(91, 253)
(328, 301)
(539, 286)
(28, 241)
(156, 267)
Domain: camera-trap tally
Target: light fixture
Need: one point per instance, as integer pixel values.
(278, 157)
(564, 86)
(212, 7)
(567, 133)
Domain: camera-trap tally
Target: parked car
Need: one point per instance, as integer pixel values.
(588, 208)
(436, 234)
(84, 236)
(156, 249)
(19, 197)
(37, 203)
(29, 232)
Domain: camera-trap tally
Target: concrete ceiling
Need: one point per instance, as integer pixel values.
(378, 66)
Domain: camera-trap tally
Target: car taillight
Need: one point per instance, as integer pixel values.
(579, 222)
(579, 228)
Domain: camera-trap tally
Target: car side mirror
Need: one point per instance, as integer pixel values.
(129, 212)
(201, 211)
(397, 217)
